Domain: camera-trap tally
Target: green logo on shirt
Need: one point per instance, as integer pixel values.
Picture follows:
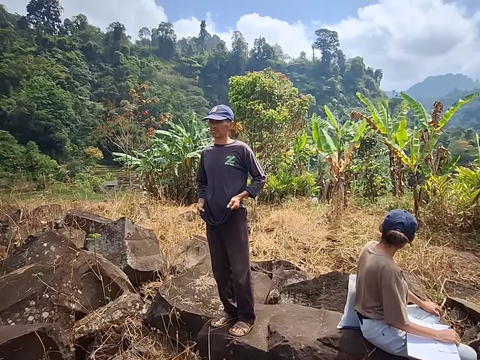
(230, 160)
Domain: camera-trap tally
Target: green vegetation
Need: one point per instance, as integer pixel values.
(72, 96)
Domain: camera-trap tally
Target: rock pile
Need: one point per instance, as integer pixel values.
(72, 282)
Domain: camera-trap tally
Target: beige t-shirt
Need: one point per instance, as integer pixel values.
(381, 290)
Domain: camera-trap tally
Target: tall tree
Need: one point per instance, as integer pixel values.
(203, 36)
(164, 40)
(327, 42)
(47, 13)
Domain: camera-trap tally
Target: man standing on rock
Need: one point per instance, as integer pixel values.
(222, 187)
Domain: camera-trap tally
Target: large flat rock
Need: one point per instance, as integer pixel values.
(187, 254)
(42, 293)
(53, 248)
(327, 291)
(132, 248)
(286, 332)
(300, 332)
(218, 344)
(89, 223)
(185, 303)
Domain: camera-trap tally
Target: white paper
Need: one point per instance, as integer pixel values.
(428, 349)
(447, 348)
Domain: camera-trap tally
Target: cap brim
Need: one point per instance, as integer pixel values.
(215, 117)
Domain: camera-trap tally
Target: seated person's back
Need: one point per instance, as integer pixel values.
(382, 294)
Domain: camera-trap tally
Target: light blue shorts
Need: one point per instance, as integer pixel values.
(394, 341)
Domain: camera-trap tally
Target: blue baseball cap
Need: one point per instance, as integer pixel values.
(400, 220)
(220, 113)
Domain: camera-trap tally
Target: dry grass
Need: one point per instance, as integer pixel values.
(301, 232)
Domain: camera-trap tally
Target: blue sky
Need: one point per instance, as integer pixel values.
(408, 39)
(226, 13)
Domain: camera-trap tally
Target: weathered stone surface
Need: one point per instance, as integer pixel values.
(89, 223)
(53, 248)
(218, 344)
(298, 332)
(272, 266)
(102, 281)
(415, 285)
(187, 301)
(284, 332)
(32, 342)
(132, 248)
(471, 310)
(27, 297)
(327, 291)
(282, 273)
(42, 293)
(187, 254)
(111, 315)
(281, 279)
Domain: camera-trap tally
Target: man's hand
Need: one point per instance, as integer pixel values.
(200, 206)
(234, 203)
(431, 308)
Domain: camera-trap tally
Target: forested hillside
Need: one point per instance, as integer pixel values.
(59, 80)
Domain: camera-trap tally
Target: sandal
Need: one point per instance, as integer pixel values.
(222, 321)
(243, 326)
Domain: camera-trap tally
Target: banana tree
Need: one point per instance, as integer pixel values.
(393, 131)
(337, 144)
(422, 139)
(171, 160)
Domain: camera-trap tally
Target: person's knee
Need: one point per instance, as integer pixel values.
(240, 274)
(466, 352)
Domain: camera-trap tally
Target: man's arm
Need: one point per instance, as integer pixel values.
(202, 183)
(256, 185)
(256, 172)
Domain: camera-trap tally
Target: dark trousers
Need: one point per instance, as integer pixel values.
(229, 251)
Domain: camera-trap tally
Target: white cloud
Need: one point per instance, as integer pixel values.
(133, 14)
(412, 39)
(191, 27)
(293, 38)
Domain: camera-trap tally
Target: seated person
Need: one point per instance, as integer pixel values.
(382, 294)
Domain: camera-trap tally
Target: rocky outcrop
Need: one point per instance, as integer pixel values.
(185, 303)
(187, 254)
(67, 293)
(54, 248)
(132, 248)
(33, 342)
(89, 223)
(284, 332)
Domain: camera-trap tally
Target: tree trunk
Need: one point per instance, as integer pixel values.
(338, 195)
(416, 197)
(320, 183)
(393, 172)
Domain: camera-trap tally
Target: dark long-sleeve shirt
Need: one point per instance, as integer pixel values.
(222, 174)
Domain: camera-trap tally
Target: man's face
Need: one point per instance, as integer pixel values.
(220, 129)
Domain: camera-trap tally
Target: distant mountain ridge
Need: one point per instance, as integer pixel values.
(441, 85)
(448, 89)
